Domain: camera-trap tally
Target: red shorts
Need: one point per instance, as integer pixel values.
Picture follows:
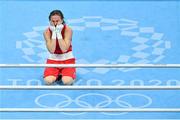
(71, 72)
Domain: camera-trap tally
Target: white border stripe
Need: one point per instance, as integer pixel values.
(89, 109)
(21, 87)
(91, 65)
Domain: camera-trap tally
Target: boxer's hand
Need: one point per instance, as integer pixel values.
(53, 30)
(58, 31)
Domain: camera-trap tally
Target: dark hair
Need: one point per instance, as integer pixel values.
(57, 12)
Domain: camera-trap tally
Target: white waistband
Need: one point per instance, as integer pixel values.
(64, 56)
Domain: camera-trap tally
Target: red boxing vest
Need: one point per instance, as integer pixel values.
(58, 49)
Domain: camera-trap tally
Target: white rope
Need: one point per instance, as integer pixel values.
(91, 65)
(21, 87)
(89, 109)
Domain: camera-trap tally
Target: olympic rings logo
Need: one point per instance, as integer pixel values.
(93, 100)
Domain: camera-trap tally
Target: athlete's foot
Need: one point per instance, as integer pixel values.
(59, 79)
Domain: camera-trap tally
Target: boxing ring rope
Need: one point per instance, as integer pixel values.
(89, 109)
(91, 65)
(90, 88)
(22, 87)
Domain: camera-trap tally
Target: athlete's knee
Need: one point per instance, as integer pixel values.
(49, 80)
(67, 80)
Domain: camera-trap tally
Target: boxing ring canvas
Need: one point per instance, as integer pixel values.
(104, 32)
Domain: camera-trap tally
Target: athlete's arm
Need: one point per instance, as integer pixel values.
(66, 42)
(50, 44)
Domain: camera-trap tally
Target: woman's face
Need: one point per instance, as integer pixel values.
(56, 20)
